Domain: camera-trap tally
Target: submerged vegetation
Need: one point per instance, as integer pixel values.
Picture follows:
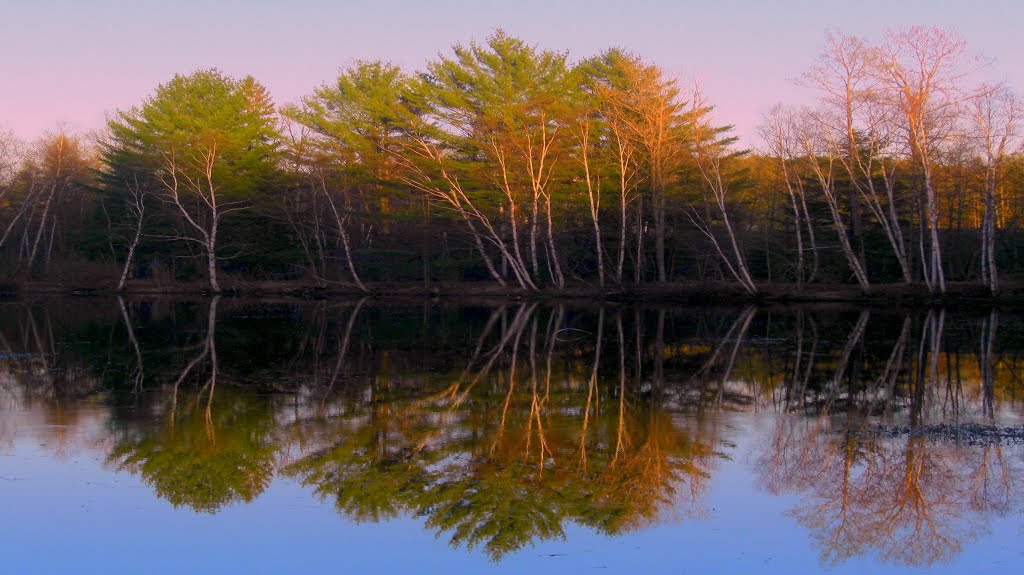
(508, 164)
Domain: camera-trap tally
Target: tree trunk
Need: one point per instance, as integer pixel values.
(638, 270)
(990, 274)
(658, 203)
(935, 257)
(211, 261)
(557, 275)
(131, 256)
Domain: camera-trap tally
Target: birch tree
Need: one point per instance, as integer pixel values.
(608, 81)
(586, 134)
(9, 158)
(779, 131)
(647, 106)
(860, 131)
(209, 141)
(51, 170)
(996, 113)
(127, 190)
(429, 168)
(921, 69)
(356, 123)
(495, 112)
(821, 160)
(711, 151)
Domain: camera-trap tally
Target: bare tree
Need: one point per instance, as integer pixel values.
(138, 190)
(583, 132)
(921, 69)
(821, 160)
(732, 255)
(710, 152)
(996, 113)
(649, 111)
(860, 129)
(10, 156)
(189, 185)
(778, 129)
(11, 151)
(54, 165)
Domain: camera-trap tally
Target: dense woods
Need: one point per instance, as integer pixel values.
(508, 164)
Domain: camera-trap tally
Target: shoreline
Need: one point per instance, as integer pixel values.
(679, 292)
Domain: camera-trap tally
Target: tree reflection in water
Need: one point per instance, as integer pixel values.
(523, 441)
(911, 498)
(499, 426)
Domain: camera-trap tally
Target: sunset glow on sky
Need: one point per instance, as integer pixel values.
(76, 61)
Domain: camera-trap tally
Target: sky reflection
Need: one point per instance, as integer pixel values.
(483, 439)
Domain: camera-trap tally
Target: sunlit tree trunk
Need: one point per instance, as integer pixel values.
(859, 132)
(206, 222)
(593, 185)
(823, 169)
(709, 157)
(626, 168)
(137, 207)
(997, 114)
(922, 67)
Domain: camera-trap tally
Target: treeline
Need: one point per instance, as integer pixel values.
(507, 163)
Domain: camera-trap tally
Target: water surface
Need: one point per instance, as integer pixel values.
(234, 435)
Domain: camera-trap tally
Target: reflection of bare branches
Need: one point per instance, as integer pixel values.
(844, 358)
(993, 480)
(138, 373)
(736, 334)
(514, 330)
(207, 350)
(913, 501)
(342, 352)
(987, 362)
(591, 387)
(445, 440)
(894, 364)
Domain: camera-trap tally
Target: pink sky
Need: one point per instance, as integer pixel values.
(74, 61)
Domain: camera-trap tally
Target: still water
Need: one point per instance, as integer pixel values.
(245, 436)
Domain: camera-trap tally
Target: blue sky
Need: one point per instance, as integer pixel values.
(74, 61)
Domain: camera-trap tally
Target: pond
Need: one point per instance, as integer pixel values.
(435, 436)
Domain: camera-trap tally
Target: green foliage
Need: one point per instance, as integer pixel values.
(357, 119)
(493, 456)
(191, 118)
(561, 164)
(211, 453)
